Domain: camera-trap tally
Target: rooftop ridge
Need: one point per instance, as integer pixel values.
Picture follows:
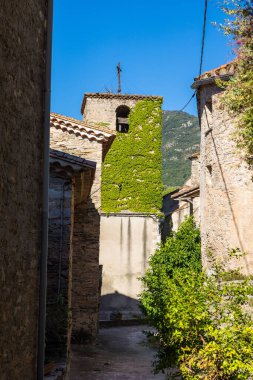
(109, 95)
(75, 123)
(224, 72)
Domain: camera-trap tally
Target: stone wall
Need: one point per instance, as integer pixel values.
(90, 150)
(195, 170)
(103, 112)
(59, 235)
(22, 77)
(127, 241)
(58, 268)
(226, 185)
(86, 232)
(85, 263)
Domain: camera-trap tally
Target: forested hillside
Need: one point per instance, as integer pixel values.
(181, 138)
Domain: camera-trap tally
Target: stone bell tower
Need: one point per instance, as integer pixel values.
(129, 230)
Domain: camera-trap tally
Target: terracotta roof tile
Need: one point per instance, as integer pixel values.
(79, 128)
(224, 72)
(227, 69)
(109, 95)
(194, 155)
(66, 160)
(186, 190)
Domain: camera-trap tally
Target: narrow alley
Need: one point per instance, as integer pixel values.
(122, 353)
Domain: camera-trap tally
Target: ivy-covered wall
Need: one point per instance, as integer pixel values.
(131, 176)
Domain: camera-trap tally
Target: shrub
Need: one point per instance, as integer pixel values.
(203, 322)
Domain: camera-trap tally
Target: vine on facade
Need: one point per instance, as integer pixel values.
(131, 173)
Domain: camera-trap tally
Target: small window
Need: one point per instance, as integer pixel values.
(122, 122)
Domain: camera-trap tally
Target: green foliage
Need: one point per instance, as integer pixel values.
(131, 174)
(169, 189)
(202, 321)
(238, 97)
(181, 138)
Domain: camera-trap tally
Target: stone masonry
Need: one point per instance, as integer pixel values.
(126, 239)
(226, 187)
(22, 77)
(65, 172)
(100, 109)
(76, 138)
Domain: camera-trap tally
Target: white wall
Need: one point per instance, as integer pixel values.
(126, 243)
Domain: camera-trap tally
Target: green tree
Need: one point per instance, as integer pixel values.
(238, 97)
(203, 322)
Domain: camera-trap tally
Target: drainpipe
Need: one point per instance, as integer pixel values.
(44, 233)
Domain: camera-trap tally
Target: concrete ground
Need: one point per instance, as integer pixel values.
(122, 353)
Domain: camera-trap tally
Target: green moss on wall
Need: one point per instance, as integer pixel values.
(131, 174)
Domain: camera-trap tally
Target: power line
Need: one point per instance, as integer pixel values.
(189, 101)
(203, 38)
(201, 52)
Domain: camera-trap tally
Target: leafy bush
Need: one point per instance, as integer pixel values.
(203, 322)
(238, 97)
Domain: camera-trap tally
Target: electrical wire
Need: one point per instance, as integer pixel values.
(201, 52)
(203, 38)
(189, 101)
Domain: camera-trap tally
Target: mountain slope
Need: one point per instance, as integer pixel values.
(181, 138)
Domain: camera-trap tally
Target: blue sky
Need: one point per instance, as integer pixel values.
(157, 42)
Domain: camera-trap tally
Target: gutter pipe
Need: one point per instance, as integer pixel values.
(44, 233)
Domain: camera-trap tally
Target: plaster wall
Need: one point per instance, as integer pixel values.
(126, 243)
(103, 111)
(22, 78)
(226, 185)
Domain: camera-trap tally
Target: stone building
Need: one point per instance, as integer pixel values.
(67, 173)
(24, 77)
(128, 234)
(75, 138)
(183, 202)
(226, 187)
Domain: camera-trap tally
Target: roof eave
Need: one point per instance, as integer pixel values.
(206, 81)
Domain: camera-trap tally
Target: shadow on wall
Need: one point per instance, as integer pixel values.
(116, 306)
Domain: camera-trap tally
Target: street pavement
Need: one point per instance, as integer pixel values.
(121, 353)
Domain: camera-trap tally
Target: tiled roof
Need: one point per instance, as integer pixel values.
(224, 71)
(79, 128)
(69, 159)
(116, 96)
(194, 155)
(186, 190)
(66, 165)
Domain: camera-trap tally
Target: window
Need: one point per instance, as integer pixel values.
(122, 123)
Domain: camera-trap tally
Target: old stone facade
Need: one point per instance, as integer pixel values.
(127, 238)
(226, 187)
(183, 202)
(65, 171)
(76, 138)
(22, 76)
(100, 109)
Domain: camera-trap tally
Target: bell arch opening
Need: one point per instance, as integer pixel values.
(122, 121)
